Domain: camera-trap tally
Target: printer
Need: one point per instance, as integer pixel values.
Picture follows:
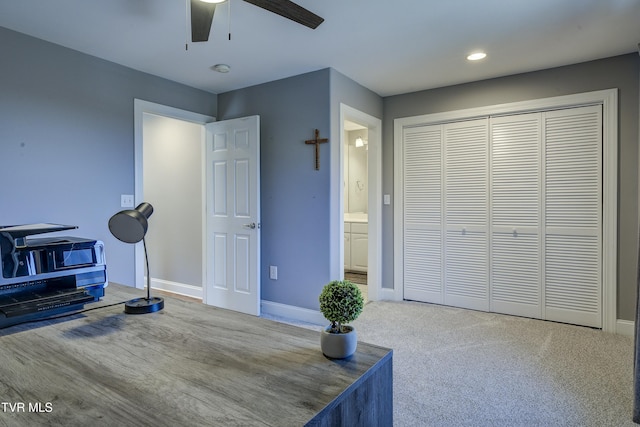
(46, 276)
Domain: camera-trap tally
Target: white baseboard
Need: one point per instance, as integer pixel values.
(387, 294)
(176, 288)
(625, 327)
(292, 312)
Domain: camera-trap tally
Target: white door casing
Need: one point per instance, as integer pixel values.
(233, 214)
(141, 108)
(374, 168)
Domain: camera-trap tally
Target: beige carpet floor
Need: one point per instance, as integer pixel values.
(454, 367)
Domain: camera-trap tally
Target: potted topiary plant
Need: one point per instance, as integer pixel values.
(340, 302)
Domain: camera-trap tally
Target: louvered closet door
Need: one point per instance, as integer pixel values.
(423, 214)
(515, 215)
(466, 214)
(573, 215)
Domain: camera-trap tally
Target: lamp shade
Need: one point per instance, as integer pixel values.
(130, 226)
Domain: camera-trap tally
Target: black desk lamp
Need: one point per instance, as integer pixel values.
(130, 226)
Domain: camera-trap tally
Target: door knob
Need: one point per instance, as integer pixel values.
(251, 226)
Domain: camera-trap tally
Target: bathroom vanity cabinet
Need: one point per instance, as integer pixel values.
(356, 243)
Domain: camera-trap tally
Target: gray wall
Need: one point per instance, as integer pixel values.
(346, 91)
(66, 137)
(294, 196)
(620, 72)
(296, 199)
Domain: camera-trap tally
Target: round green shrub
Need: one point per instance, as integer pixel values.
(340, 302)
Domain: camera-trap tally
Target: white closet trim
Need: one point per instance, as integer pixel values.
(609, 101)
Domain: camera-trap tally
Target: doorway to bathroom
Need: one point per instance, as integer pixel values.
(361, 199)
(356, 205)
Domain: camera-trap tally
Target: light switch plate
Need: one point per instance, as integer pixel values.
(386, 199)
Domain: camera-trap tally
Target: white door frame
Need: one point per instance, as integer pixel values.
(374, 160)
(140, 107)
(609, 100)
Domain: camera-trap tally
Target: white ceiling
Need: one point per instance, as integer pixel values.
(390, 47)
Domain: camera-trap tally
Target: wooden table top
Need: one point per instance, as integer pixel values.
(187, 365)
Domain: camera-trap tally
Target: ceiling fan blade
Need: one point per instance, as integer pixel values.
(290, 10)
(201, 19)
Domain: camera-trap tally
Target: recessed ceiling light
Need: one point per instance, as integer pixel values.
(476, 56)
(221, 68)
(213, 1)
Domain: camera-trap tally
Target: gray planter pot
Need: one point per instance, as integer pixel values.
(338, 346)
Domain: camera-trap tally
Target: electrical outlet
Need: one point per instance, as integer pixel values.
(273, 272)
(126, 200)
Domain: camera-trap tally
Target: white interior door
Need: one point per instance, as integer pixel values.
(573, 216)
(466, 214)
(423, 214)
(233, 214)
(516, 182)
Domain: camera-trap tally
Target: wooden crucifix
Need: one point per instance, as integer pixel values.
(317, 143)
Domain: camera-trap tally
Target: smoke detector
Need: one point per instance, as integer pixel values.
(221, 68)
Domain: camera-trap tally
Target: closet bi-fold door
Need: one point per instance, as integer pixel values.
(573, 216)
(516, 186)
(466, 214)
(504, 214)
(423, 231)
(446, 214)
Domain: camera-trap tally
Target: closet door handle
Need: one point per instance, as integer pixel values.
(251, 226)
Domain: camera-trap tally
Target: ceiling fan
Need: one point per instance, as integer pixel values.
(202, 15)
